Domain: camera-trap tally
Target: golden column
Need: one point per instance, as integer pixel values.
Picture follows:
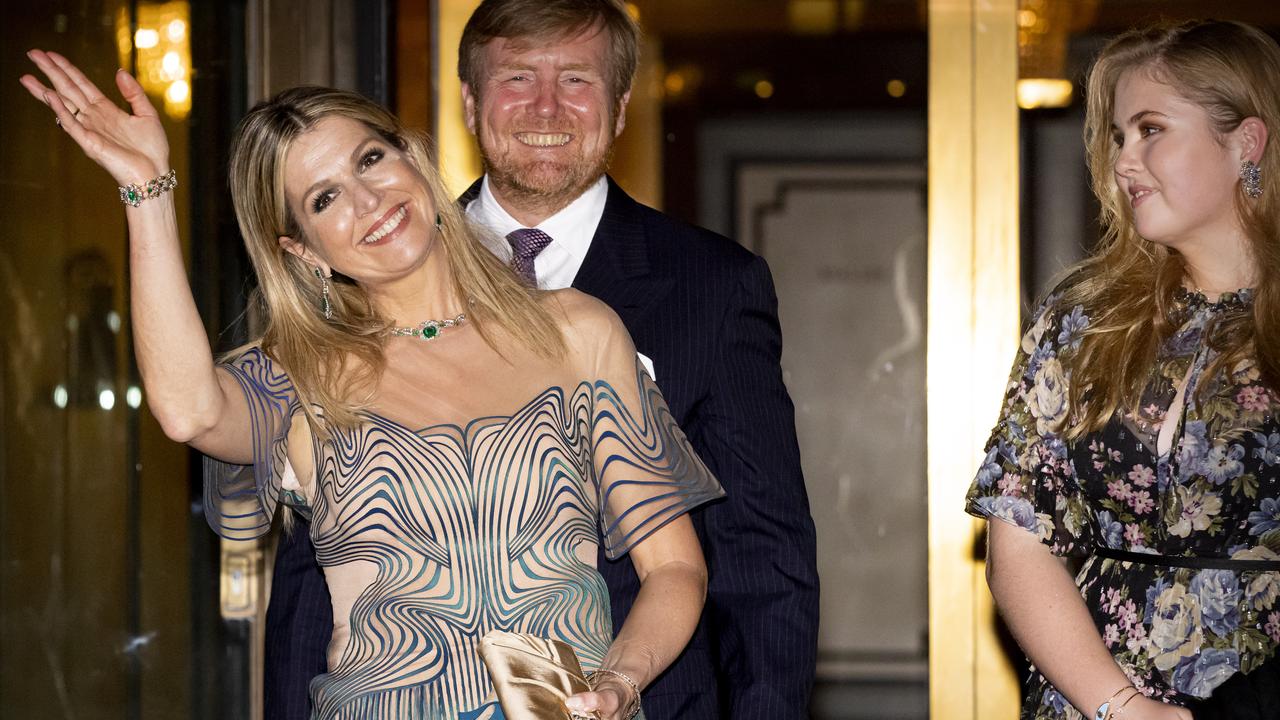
(973, 332)
(458, 157)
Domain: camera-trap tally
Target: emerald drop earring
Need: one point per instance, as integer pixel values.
(325, 305)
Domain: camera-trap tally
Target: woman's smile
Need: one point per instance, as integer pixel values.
(389, 226)
(1139, 193)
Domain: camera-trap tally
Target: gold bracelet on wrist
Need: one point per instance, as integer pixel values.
(1104, 710)
(1118, 710)
(633, 708)
(133, 195)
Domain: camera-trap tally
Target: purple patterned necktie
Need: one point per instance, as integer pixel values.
(526, 243)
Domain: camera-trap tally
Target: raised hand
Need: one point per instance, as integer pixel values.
(131, 147)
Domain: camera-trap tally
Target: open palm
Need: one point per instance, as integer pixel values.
(132, 147)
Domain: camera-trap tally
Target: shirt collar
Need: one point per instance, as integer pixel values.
(572, 228)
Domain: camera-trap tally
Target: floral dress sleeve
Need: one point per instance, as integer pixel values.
(1026, 477)
(646, 474)
(240, 500)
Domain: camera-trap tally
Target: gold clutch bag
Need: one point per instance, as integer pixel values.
(532, 676)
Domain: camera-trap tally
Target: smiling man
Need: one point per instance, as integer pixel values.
(546, 85)
(545, 116)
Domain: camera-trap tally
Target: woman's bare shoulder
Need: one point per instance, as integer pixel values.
(586, 323)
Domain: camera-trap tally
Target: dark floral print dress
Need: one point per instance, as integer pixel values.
(1178, 632)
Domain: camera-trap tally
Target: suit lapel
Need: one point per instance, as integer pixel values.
(617, 268)
(472, 193)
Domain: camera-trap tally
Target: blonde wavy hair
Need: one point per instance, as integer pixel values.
(335, 364)
(1127, 286)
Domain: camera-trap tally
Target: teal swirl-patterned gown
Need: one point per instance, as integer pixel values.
(431, 536)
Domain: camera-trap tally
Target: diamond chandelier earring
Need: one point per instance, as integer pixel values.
(1251, 174)
(324, 295)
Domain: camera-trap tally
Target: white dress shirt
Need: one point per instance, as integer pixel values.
(571, 231)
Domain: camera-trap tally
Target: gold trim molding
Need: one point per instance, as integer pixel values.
(973, 332)
(457, 155)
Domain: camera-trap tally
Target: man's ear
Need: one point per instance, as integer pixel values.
(469, 107)
(1253, 138)
(621, 121)
(299, 250)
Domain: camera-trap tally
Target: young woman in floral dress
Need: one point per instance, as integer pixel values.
(1139, 433)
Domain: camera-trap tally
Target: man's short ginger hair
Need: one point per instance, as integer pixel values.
(546, 21)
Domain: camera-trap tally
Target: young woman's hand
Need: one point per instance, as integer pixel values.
(132, 147)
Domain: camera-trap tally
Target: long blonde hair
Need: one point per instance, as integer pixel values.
(335, 364)
(1128, 285)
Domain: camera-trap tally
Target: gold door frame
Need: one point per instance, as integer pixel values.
(457, 154)
(973, 333)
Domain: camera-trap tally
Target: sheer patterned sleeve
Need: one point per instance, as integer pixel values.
(646, 472)
(1026, 477)
(240, 500)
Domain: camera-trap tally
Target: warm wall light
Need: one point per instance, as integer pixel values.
(146, 38)
(177, 30)
(895, 88)
(673, 84)
(1043, 93)
(764, 89)
(1044, 29)
(681, 82)
(178, 93)
(171, 64)
(813, 17)
(854, 12)
(163, 52)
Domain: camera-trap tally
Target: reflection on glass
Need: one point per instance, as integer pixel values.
(95, 605)
(91, 302)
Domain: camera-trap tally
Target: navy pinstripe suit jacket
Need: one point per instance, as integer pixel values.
(703, 309)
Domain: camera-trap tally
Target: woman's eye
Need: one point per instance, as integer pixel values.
(1146, 130)
(371, 158)
(1118, 139)
(321, 201)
